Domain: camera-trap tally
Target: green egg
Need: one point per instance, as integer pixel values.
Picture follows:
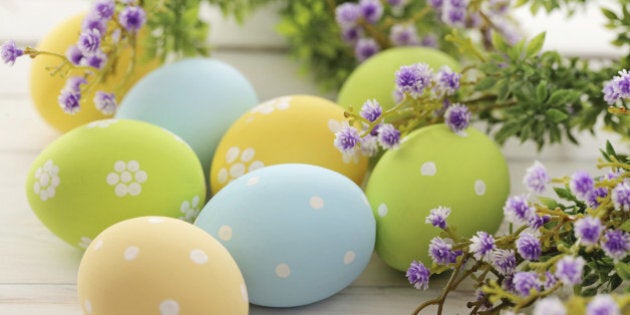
(111, 170)
(435, 167)
(375, 78)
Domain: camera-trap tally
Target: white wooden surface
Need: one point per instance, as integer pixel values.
(38, 271)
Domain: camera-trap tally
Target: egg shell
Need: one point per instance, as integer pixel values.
(111, 170)
(435, 167)
(197, 99)
(376, 77)
(46, 88)
(289, 129)
(300, 233)
(159, 265)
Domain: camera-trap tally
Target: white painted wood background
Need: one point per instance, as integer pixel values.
(38, 271)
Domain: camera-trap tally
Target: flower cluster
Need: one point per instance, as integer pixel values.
(583, 244)
(618, 88)
(107, 28)
(419, 89)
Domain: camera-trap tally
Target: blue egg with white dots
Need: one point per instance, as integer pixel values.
(299, 233)
(197, 99)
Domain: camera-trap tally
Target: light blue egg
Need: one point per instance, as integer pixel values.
(299, 233)
(197, 99)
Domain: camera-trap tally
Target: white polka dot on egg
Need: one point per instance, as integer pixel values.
(98, 244)
(283, 270)
(316, 202)
(349, 257)
(225, 232)
(428, 169)
(155, 220)
(382, 210)
(131, 253)
(88, 306)
(169, 307)
(198, 256)
(232, 154)
(244, 293)
(480, 187)
(237, 170)
(253, 181)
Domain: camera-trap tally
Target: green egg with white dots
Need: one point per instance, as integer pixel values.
(111, 170)
(435, 167)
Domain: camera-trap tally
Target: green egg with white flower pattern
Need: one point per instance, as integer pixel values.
(111, 170)
(435, 167)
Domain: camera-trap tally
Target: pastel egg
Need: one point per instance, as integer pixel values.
(46, 88)
(159, 265)
(197, 99)
(111, 170)
(300, 233)
(376, 77)
(435, 167)
(289, 129)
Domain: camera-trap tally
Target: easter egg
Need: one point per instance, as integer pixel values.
(435, 167)
(111, 170)
(300, 233)
(197, 99)
(376, 77)
(289, 129)
(45, 88)
(159, 265)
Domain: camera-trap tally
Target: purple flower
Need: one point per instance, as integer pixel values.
(429, 41)
(371, 10)
(622, 83)
(528, 246)
(587, 230)
(369, 145)
(616, 244)
(89, 42)
(550, 280)
(536, 178)
(371, 110)
(69, 101)
(526, 281)
(10, 52)
(132, 18)
(481, 246)
(504, 261)
(536, 221)
(388, 136)
(457, 117)
(611, 96)
(603, 304)
(438, 216)
(437, 4)
(418, 275)
(105, 102)
(458, 3)
(452, 15)
(594, 197)
(621, 196)
(447, 81)
(351, 34)
(581, 184)
(347, 14)
(75, 55)
(483, 298)
(74, 83)
(549, 306)
(569, 270)
(517, 210)
(347, 139)
(414, 79)
(104, 8)
(93, 22)
(441, 251)
(96, 60)
(366, 48)
(404, 35)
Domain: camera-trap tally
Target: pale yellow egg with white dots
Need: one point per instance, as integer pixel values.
(162, 266)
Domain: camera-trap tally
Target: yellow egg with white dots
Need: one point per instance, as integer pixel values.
(288, 129)
(159, 265)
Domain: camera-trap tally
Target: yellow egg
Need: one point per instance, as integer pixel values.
(45, 88)
(289, 129)
(159, 265)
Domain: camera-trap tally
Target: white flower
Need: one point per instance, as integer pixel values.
(190, 209)
(549, 306)
(237, 164)
(46, 180)
(127, 178)
(268, 107)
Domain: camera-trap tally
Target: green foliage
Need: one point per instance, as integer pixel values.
(551, 5)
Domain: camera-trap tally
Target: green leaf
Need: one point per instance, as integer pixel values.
(589, 292)
(548, 202)
(625, 226)
(556, 115)
(541, 92)
(485, 83)
(623, 270)
(498, 42)
(589, 280)
(609, 14)
(562, 97)
(564, 193)
(535, 45)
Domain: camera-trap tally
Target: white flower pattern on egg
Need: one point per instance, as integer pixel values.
(46, 180)
(190, 209)
(238, 163)
(127, 178)
(268, 107)
(335, 126)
